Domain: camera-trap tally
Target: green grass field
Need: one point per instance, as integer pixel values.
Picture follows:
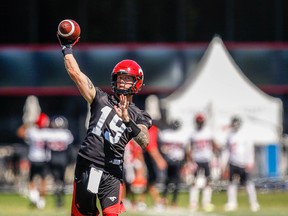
(272, 204)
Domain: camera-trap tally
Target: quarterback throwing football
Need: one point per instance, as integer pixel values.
(114, 121)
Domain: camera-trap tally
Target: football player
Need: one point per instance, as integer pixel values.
(59, 140)
(172, 144)
(38, 155)
(201, 150)
(114, 121)
(240, 153)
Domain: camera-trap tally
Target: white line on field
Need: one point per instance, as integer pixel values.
(173, 211)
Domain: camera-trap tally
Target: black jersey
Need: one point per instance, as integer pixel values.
(107, 135)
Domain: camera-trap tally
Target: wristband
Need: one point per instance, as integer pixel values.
(67, 50)
(132, 128)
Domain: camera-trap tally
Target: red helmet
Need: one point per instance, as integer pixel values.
(200, 117)
(131, 68)
(42, 121)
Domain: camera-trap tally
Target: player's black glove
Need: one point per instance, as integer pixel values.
(66, 44)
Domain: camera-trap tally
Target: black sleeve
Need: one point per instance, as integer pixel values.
(145, 119)
(141, 117)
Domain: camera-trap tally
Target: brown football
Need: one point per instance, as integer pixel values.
(69, 29)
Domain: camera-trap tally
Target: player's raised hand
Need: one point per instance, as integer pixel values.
(122, 108)
(68, 33)
(66, 43)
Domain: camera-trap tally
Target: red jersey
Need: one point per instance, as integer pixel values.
(153, 132)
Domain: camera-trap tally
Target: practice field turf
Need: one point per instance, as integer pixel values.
(272, 204)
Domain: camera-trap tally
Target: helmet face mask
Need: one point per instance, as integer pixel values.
(131, 68)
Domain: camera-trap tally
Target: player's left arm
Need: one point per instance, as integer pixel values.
(21, 131)
(143, 137)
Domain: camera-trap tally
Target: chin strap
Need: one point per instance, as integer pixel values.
(122, 91)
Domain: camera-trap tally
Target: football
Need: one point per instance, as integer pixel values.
(69, 29)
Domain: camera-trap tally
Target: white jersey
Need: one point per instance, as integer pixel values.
(172, 144)
(36, 139)
(201, 142)
(241, 150)
(42, 141)
(59, 139)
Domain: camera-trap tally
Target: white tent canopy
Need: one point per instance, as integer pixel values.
(221, 90)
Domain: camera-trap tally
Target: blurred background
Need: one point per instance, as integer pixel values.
(167, 37)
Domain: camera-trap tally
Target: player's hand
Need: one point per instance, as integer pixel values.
(65, 43)
(122, 108)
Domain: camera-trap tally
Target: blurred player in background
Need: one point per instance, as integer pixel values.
(156, 166)
(155, 163)
(200, 150)
(38, 155)
(135, 176)
(172, 144)
(115, 120)
(142, 171)
(59, 140)
(239, 151)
